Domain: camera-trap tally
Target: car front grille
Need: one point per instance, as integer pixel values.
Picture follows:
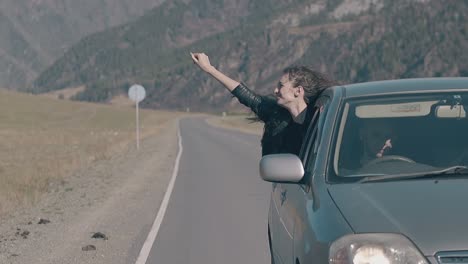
(455, 257)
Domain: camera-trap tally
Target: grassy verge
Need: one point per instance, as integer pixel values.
(237, 122)
(43, 140)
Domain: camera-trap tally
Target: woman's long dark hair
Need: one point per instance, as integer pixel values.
(313, 82)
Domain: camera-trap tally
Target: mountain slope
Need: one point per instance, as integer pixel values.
(33, 33)
(352, 40)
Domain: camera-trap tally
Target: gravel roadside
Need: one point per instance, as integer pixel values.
(98, 215)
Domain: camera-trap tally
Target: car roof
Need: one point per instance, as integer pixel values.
(404, 86)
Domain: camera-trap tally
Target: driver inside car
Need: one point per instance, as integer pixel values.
(377, 138)
(375, 143)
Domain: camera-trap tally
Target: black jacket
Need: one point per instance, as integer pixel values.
(280, 134)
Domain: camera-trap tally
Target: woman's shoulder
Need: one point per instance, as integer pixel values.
(268, 109)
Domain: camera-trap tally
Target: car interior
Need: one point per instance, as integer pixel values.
(382, 143)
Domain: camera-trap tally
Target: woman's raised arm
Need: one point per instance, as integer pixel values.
(202, 60)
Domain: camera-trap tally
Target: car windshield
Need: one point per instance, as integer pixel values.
(401, 134)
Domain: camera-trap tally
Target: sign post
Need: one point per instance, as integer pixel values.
(137, 93)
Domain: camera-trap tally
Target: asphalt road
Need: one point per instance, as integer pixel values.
(218, 209)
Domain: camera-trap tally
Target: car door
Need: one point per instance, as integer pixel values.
(284, 206)
(275, 225)
(303, 197)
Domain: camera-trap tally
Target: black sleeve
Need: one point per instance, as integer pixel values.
(262, 106)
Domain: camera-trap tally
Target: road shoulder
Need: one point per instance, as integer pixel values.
(118, 197)
(238, 123)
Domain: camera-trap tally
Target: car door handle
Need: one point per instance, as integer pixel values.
(283, 196)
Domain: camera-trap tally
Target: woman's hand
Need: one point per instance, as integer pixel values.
(202, 60)
(204, 63)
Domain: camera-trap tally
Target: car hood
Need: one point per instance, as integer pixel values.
(430, 213)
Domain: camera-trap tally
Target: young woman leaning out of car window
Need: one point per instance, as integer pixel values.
(286, 114)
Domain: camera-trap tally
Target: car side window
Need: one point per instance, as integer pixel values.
(308, 138)
(312, 141)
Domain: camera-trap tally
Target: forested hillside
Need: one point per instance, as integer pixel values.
(351, 40)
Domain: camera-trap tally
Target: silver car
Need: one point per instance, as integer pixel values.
(382, 177)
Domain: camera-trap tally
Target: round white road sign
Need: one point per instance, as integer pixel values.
(137, 93)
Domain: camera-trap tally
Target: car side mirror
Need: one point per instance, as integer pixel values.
(286, 168)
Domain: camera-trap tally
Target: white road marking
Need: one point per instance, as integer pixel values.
(145, 250)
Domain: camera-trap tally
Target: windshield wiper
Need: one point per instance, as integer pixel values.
(454, 170)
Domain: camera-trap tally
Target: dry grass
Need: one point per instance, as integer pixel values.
(43, 140)
(237, 122)
(122, 100)
(66, 93)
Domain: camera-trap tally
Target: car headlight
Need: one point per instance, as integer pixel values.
(374, 249)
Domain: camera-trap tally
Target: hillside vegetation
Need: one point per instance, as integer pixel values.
(351, 40)
(34, 33)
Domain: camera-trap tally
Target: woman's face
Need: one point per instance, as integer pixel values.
(285, 93)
